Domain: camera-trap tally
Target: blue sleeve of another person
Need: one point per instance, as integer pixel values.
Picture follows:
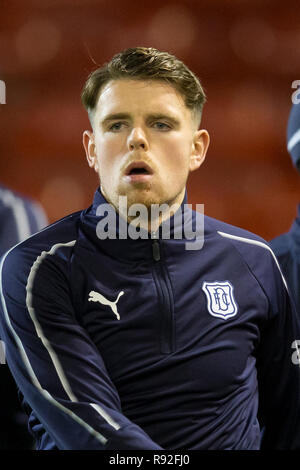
(20, 218)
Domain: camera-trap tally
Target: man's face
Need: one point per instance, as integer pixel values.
(144, 142)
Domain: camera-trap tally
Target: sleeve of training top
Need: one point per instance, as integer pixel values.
(57, 367)
(278, 368)
(20, 218)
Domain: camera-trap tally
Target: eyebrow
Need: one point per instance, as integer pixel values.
(114, 116)
(168, 117)
(156, 116)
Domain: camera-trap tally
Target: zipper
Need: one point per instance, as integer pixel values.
(167, 331)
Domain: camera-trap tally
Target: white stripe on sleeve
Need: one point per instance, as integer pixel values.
(293, 140)
(258, 243)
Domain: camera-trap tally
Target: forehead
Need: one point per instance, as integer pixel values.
(127, 95)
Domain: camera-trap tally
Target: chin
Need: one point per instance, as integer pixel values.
(137, 195)
(145, 197)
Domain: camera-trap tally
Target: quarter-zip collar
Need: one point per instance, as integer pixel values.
(128, 248)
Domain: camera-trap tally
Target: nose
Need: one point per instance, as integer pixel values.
(137, 140)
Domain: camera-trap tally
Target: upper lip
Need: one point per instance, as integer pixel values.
(138, 164)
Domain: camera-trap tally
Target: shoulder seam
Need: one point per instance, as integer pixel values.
(257, 243)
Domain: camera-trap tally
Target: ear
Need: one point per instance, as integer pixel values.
(200, 145)
(88, 141)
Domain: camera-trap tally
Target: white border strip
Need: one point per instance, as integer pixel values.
(258, 243)
(104, 415)
(57, 365)
(37, 326)
(293, 140)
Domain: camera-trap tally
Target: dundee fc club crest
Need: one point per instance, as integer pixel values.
(220, 299)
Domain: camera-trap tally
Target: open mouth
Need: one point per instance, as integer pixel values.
(138, 169)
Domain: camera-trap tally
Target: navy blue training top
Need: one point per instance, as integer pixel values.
(142, 344)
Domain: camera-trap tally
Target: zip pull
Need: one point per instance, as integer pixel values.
(156, 250)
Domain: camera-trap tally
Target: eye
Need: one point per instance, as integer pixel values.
(116, 126)
(161, 126)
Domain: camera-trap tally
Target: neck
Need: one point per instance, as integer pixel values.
(149, 217)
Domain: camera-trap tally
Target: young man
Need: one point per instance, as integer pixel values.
(119, 341)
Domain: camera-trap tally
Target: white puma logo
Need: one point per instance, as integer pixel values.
(96, 297)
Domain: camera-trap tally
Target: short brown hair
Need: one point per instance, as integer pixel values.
(146, 63)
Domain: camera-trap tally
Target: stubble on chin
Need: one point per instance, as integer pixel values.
(142, 196)
(127, 203)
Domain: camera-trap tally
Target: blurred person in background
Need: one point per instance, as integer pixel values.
(20, 217)
(123, 342)
(287, 245)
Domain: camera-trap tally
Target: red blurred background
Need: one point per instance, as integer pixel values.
(246, 53)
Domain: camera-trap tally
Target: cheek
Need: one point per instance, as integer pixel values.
(177, 156)
(107, 147)
(108, 155)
